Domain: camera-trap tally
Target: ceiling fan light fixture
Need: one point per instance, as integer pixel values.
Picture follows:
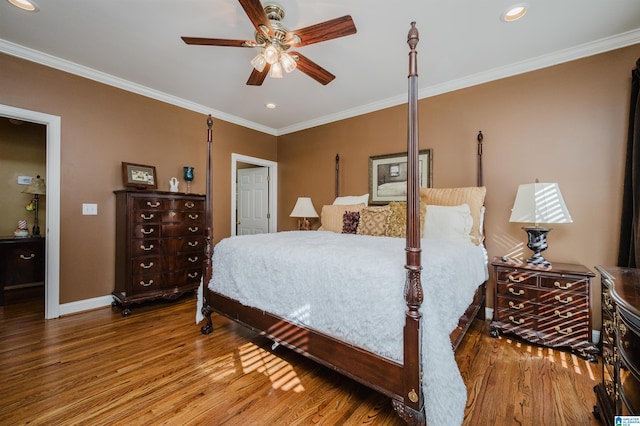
(515, 12)
(271, 54)
(276, 70)
(28, 5)
(259, 62)
(288, 63)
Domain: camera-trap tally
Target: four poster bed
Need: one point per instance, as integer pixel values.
(354, 303)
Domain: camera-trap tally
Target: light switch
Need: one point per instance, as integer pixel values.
(89, 209)
(24, 180)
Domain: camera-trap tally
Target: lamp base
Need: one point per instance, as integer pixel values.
(537, 243)
(304, 225)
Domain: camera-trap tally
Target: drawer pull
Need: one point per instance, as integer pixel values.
(143, 284)
(195, 229)
(31, 256)
(561, 331)
(195, 274)
(517, 293)
(516, 280)
(514, 306)
(565, 301)
(143, 266)
(193, 216)
(189, 205)
(515, 321)
(142, 247)
(558, 313)
(193, 259)
(145, 217)
(154, 204)
(145, 232)
(193, 243)
(560, 286)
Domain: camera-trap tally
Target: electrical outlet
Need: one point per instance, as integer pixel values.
(89, 209)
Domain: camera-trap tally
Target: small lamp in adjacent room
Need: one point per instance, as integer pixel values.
(37, 188)
(539, 203)
(304, 209)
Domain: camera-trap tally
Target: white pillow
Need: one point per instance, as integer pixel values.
(353, 199)
(448, 222)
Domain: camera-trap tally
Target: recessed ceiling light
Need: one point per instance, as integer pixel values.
(271, 105)
(28, 5)
(515, 12)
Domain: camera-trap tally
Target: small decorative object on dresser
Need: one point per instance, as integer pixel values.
(619, 392)
(139, 176)
(159, 245)
(188, 177)
(546, 305)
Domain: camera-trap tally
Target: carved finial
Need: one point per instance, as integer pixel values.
(413, 37)
(480, 136)
(209, 122)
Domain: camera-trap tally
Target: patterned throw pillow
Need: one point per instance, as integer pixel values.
(350, 222)
(373, 221)
(397, 226)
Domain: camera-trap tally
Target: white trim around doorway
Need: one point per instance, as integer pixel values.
(273, 188)
(52, 233)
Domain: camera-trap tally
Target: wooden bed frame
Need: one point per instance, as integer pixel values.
(401, 382)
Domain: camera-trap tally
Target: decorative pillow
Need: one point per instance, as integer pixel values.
(351, 199)
(448, 222)
(350, 222)
(397, 226)
(473, 196)
(331, 218)
(373, 220)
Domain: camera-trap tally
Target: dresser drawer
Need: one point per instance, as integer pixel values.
(146, 265)
(144, 216)
(524, 306)
(189, 205)
(147, 231)
(564, 283)
(181, 229)
(145, 247)
(629, 339)
(151, 203)
(146, 283)
(184, 245)
(519, 319)
(516, 277)
(516, 291)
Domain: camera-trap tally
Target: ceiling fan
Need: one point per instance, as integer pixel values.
(275, 41)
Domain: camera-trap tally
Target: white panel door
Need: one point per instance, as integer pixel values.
(253, 201)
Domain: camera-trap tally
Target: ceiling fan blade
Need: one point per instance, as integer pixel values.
(257, 77)
(218, 42)
(334, 28)
(255, 12)
(312, 69)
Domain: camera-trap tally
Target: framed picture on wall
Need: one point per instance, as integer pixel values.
(139, 176)
(388, 176)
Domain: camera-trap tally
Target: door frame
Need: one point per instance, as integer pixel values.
(52, 231)
(273, 188)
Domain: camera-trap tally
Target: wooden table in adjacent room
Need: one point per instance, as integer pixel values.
(21, 261)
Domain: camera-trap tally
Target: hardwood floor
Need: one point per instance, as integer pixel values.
(155, 367)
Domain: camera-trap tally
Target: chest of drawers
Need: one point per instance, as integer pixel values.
(159, 245)
(21, 261)
(549, 306)
(619, 391)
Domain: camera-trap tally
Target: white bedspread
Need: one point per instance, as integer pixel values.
(352, 287)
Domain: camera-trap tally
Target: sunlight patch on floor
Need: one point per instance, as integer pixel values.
(279, 372)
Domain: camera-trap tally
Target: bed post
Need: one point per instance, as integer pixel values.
(411, 409)
(208, 250)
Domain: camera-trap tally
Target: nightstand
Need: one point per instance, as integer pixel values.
(546, 305)
(21, 261)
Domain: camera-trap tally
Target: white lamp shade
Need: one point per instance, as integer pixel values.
(540, 203)
(304, 208)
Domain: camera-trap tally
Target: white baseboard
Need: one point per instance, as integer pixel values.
(85, 305)
(488, 313)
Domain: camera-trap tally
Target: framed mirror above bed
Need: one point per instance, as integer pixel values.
(388, 176)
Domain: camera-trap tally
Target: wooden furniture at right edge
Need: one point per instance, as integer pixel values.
(546, 305)
(619, 391)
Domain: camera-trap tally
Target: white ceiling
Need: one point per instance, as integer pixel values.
(136, 45)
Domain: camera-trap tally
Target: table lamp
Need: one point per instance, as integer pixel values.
(539, 203)
(304, 209)
(36, 188)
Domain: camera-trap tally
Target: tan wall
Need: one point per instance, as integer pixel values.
(22, 153)
(564, 124)
(101, 127)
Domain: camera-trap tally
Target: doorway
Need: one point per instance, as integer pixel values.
(52, 179)
(257, 169)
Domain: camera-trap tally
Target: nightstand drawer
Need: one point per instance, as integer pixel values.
(517, 291)
(566, 284)
(516, 276)
(524, 306)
